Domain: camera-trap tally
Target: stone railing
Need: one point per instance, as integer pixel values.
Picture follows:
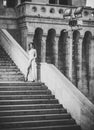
(81, 109)
(50, 11)
(17, 54)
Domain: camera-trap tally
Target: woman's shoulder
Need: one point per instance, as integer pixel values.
(34, 50)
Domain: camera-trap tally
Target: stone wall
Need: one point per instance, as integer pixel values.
(8, 18)
(45, 25)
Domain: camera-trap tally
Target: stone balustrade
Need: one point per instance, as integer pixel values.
(81, 109)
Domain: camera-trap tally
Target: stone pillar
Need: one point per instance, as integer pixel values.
(91, 64)
(75, 58)
(55, 51)
(70, 40)
(85, 63)
(80, 63)
(42, 55)
(63, 53)
(67, 54)
(43, 49)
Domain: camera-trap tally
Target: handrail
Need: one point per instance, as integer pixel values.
(14, 50)
(81, 109)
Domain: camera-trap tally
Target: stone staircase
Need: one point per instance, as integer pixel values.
(8, 70)
(26, 105)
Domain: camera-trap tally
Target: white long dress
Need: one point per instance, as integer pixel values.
(33, 67)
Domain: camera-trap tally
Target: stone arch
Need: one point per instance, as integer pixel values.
(85, 61)
(50, 44)
(75, 58)
(37, 42)
(62, 52)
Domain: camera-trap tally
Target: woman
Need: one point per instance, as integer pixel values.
(31, 70)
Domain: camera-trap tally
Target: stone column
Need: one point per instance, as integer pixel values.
(43, 49)
(85, 63)
(70, 40)
(80, 63)
(75, 58)
(67, 54)
(55, 51)
(42, 55)
(91, 64)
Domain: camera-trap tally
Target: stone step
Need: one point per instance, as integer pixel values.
(11, 79)
(10, 73)
(2, 50)
(27, 92)
(6, 75)
(20, 83)
(8, 67)
(7, 64)
(30, 107)
(3, 53)
(6, 61)
(29, 101)
(61, 127)
(5, 58)
(20, 118)
(37, 123)
(13, 88)
(11, 76)
(24, 97)
(33, 112)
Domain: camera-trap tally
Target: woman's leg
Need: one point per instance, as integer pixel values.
(28, 70)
